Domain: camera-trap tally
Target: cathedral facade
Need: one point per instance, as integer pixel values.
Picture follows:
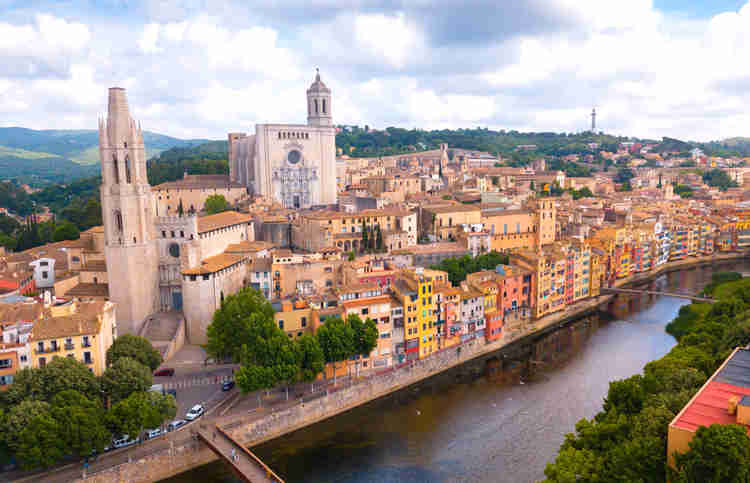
(294, 164)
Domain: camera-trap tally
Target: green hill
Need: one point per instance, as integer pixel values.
(59, 156)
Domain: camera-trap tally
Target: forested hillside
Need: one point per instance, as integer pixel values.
(61, 156)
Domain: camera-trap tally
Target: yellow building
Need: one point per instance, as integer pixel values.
(421, 282)
(296, 318)
(83, 331)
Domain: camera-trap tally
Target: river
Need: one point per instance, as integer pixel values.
(480, 429)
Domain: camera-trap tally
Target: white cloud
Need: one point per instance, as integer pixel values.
(391, 38)
(191, 73)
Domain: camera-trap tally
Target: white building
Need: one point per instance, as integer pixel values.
(44, 272)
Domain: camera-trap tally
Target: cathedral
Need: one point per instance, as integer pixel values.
(179, 262)
(294, 164)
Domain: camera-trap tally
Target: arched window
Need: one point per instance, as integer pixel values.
(115, 171)
(316, 106)
(127, 169)
(118, 220)
(324, 106)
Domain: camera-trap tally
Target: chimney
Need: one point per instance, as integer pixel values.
(743, 410)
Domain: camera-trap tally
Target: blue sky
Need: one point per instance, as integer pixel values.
(200, 68)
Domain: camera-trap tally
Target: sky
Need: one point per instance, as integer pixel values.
(202, 68)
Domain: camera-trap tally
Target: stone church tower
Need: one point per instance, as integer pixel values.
(128, 214)
(319, 103)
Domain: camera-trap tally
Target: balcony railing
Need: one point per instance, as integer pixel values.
(86, 344)
(69, 347)
(47, 350)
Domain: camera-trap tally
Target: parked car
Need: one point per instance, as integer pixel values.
(167, 371)
(195, 412)
(123, 441)
(154, 433)
(227, 386)
(177, 423)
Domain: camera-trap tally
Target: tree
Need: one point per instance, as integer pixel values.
(231, 325)
(311, 357)
(719, 178)
(379, 239)
(624, 175)
(215, 204)
(626, 396)
(134, 347)
(180, 208)
(82, 428)
(125, 377)
(352, 256)
(39, 442)
(139, 411)
(20, 417)
(63, 373)
(365, 237)
(365, 336)
(65, 231)
(718, 453)
(531, 185)
(336, 338)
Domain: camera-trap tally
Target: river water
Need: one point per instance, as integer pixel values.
(481, 429)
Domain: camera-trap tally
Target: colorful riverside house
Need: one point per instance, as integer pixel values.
(643, 244)
(742, 234)
(447, 304)
(407, 296)
(471, 313)
(663, 239)
(680, 238)
(623, 258)
(421, 282)
(725, 240)
(706, 237)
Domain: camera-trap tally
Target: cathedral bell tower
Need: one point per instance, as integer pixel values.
(128, 214)
(319, 103)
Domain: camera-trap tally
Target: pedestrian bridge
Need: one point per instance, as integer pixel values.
(248, 466)
(657, 292)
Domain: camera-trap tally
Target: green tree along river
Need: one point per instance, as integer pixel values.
(458, 427)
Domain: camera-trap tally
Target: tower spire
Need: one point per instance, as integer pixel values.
(593, 120)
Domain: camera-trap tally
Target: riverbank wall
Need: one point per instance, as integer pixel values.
(256, 428)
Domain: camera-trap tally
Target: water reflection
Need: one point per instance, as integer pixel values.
(460, 427)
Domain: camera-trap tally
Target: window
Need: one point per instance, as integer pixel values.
(6, 363)
(5, 380)
(127, 168)
(365, 311)
(43, 264)
(304, 321)
(44, 274)
(40, 346)
(281, 324)
(324, 106)
(42, 362)
(86, 342)
(24, 358)
(87, 358)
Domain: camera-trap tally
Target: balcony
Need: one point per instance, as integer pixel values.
(86, 344)
(47, 350)
(69, 347)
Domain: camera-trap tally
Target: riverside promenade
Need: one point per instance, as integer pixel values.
(179, 452)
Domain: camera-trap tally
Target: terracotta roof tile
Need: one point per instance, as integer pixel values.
(221, 220)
